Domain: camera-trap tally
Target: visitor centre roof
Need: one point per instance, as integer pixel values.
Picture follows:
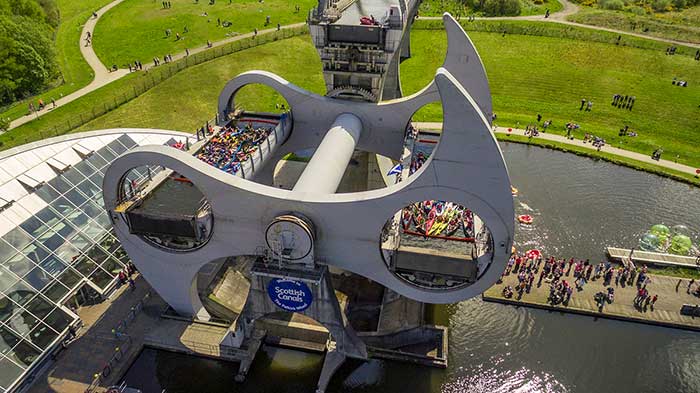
(55, 237)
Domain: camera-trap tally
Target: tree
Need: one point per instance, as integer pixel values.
(501, 7)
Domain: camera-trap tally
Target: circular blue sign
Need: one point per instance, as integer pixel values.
(289, 295)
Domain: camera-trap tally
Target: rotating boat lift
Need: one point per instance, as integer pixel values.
(311, 228)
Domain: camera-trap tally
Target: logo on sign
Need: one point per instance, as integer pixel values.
(289, 295)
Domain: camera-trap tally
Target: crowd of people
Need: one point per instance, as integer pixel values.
(532, 269)
(231, 146)
(623, 101)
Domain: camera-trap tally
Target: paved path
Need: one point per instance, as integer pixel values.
(666, 311)
(579, 143)
(102, 76)
(561, 17)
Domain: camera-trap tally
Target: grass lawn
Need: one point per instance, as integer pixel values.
(135, 29)
(527, 7)
(533, 74)
(679, 25)
(188, 99)
(75, 71)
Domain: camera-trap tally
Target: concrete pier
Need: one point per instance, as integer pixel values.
(666, 311)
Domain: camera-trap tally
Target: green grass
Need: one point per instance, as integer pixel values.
(680, 25)
(533, 74)
(135, 29)
(680, 272)
(455, 7)
(185, 101)
(75, 72)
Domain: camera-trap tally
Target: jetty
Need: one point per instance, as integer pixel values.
(652, 258)
(666, 311)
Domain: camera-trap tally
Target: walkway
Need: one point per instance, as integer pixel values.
(561, 17)
(666, 311)
(579, 143)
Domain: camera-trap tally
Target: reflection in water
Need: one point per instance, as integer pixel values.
(580, 206)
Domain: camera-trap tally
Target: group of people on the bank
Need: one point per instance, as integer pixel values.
(533, 269)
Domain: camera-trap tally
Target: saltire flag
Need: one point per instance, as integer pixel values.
(396, 170)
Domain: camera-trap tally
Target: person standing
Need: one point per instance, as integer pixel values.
(583, 103)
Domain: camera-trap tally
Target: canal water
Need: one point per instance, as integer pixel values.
(579, 207)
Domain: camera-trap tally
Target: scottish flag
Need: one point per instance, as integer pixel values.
(396, 170)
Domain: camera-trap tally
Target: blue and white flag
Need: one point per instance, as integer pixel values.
(396, 170)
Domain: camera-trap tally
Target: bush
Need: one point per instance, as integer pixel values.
(501, 7)
(680, 4)
(4, 124)
(661, 5)
(611, 4)
(637, 10)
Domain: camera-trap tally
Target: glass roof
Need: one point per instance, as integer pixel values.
(55, 237)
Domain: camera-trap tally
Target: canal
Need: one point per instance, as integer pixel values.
(579, 207)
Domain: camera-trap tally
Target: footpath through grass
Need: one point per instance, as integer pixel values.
(681, 25)
(75, 71)
(459, 7)
(534, 74)
(135, 29)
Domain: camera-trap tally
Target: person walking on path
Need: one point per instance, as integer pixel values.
(678, 284)
(690, 284)
(132, 284)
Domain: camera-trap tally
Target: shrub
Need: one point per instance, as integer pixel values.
(637, 10)
(679, 4)
(4, 124)
(661, 5)
(611, 4)
(501, 7)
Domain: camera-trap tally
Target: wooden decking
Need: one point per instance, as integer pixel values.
(652, 258)
(666, 311)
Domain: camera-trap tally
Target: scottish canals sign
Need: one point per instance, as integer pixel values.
(289, 295)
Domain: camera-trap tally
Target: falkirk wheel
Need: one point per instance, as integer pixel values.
(298, 237)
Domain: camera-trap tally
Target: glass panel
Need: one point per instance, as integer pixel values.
(51, 240)
(93, 230)
(40, 307)
(116, 147)
(97, 254)
(75, 197)
(85, 266)
(8, 339)
(121, 254)
(62, 206)
(36, 252)
(97, 161)
(109, 243)
(21, 293)
(127, 141)
(17, 238)
(24, 354)
(7, 307)
(34, 227)
(89, 189)
(68, 253)
(92, 210)
(77, 219)
(59, 320)
(111, 265)
(60, 184)
(53, 265)
(96, 178)
(103, 220)
(19, 264)
(6, 250)
(22, 322)
(38, 278)
(48, 216)
(73, 176)
(64, 229)
(42, 336)
(84, 168)
(9, 372)
(47, 193)
(101, 278)
(106, 154)
(55, 291)
(7, 279)
(69, 278)
(81, 242)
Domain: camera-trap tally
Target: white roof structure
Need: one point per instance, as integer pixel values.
(55, 237)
